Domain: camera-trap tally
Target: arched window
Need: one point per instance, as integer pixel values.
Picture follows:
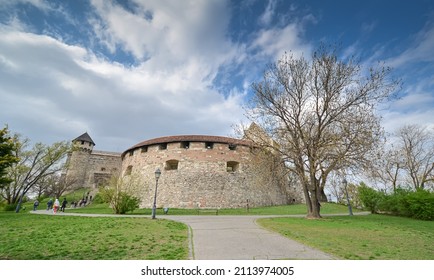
(171, 164)
(232, 166)
(129, 170)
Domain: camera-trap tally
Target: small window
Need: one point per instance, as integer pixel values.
(171, 165)
(102, 168)
(131, 153)
(232, 166)
(209, 145)
(129, 170)
(185, 145)
(163, 146)
(232, 147)
(144, 149)
(82, 142)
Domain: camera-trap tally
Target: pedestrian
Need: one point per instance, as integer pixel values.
(35, 205)
(49, 204)
(64, 202)
(56, 206)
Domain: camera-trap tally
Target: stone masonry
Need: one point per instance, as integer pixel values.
(197, 171)
(90, 168)
(208, 172)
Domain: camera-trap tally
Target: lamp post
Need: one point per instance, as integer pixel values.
(154, 207)
(345, 183)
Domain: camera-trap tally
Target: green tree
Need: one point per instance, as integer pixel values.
(34, 165)
(7, 157)
(321, 114)
(370, 198)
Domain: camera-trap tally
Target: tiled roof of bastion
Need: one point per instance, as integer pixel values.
(190, 138)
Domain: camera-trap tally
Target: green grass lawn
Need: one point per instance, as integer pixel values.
(361, 237)
(297, 209)
(27, 236)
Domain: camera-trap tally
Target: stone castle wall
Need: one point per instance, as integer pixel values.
(210, 172)
(88, 168)
(101, 166)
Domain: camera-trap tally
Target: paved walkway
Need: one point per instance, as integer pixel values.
(231, 238)
(240, 238)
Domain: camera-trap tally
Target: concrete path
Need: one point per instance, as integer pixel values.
(240, 238)
(231, 238)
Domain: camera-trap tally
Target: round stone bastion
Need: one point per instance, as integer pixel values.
(199, 171)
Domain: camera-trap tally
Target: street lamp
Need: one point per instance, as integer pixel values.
(344, 183)
(154, 207)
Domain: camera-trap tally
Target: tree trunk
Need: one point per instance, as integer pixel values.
(314, 206)
(322, 196)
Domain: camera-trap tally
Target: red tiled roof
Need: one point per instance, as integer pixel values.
(190, 138)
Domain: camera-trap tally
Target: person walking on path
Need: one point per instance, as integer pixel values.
(64, 202)
(49, 204)
(56, 206)
(35, 205)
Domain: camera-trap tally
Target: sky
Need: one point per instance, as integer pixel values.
(128, 71)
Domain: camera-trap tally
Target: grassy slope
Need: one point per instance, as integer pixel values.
(298, 209)
(26, 237)
(361, 237)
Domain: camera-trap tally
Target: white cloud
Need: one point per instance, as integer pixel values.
(40, 4)
(415, 107)
(267, 16)
(167, 31)
(421, 49)
(274, 42)
(58, 91)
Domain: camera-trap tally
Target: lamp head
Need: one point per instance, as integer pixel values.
(344, 181)
(157, 173)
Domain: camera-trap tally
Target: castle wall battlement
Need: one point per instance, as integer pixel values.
(197, 171)
(208, 172)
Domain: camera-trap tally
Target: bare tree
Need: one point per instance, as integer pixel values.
(388, 166)
(418, 151)
(334, 186)
(57, 184)
(320, 114)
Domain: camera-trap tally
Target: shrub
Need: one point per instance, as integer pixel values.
(127, 203)
(10, 207)
(98, 199)
(418, 205)
(370, 198)
(118, 195)
(414, 204)
(393, 203)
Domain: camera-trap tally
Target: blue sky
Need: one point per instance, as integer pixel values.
(127, 71)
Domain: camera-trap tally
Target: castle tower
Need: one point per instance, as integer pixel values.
(78, 160)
